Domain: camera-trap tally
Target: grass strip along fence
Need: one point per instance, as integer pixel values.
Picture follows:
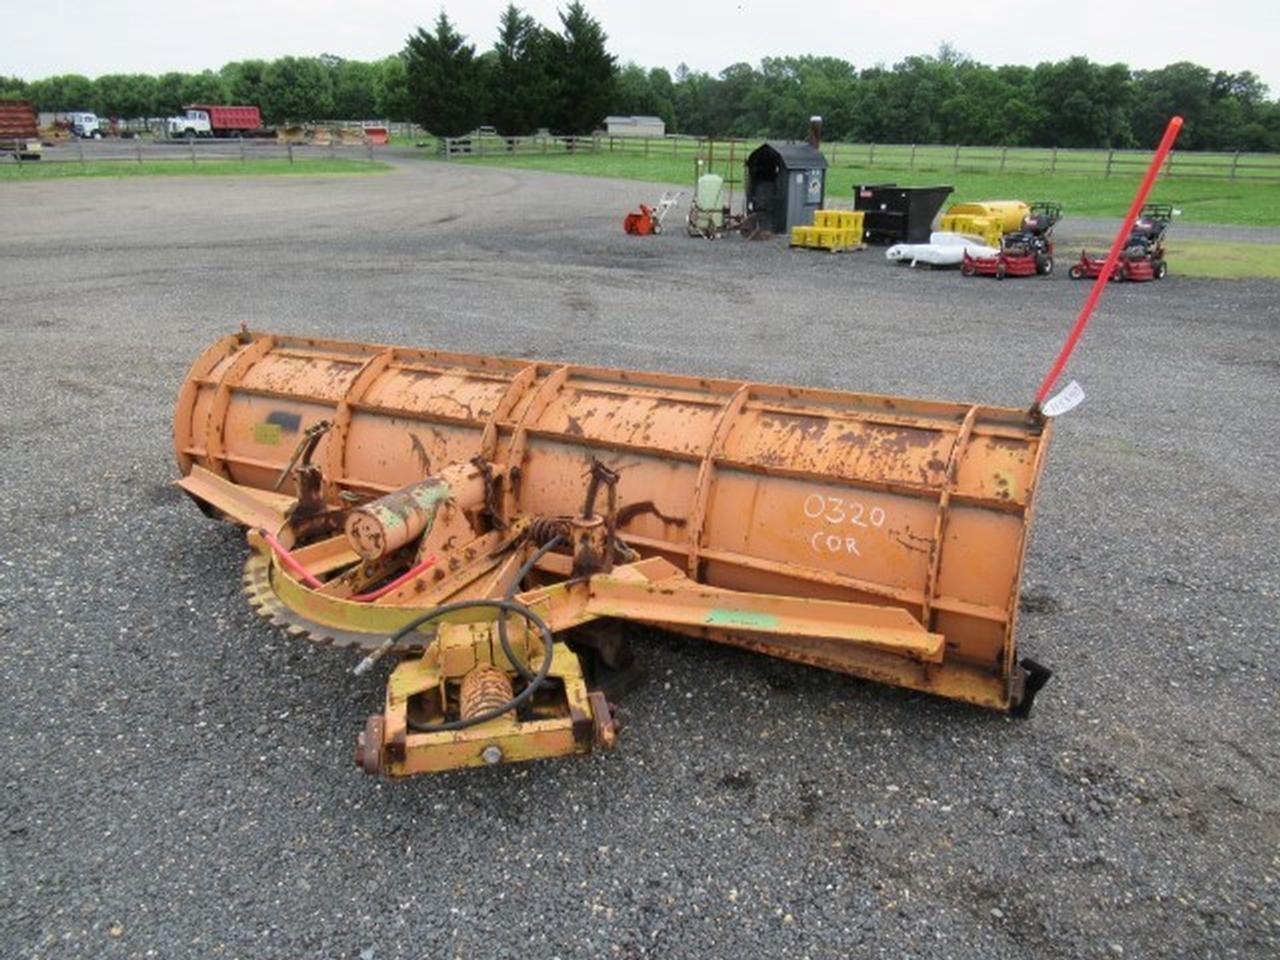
(925, 158)
(10, 173)
(94, 157)
(1078, 179)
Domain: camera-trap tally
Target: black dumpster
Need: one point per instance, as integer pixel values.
(897, 214)
(786, 183)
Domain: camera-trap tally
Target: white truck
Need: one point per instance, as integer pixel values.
(193, 123)
(85, 125)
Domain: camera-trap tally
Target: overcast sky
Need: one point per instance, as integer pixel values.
(153, 36)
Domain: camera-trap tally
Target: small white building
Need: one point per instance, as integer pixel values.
(635, 127)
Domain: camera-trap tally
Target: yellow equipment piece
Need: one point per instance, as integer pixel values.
(988, 219)
(845, 219)
(832, 230)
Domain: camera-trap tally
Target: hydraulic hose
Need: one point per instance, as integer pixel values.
(307, 577)
(506, 605)
(398, 582)
(287, 558)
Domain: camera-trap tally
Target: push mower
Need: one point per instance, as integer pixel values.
(1024, 252)
(1143, 257)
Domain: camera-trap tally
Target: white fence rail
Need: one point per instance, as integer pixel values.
(197, 151)
(932, 157)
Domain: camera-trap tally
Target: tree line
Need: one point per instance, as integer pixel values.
(564, 79)
(288, 89)
(952, 99)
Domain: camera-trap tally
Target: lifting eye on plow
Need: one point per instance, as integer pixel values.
(833, 529)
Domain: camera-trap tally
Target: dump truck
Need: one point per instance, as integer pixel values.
(207, 120)
(19, 132)
(493, 520)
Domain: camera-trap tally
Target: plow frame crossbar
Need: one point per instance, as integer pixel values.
(652, 592)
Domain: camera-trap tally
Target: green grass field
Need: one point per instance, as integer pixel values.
(1224, 261)
(1201, 200)
(183, 168)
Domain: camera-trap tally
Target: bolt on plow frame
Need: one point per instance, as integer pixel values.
(486, 520)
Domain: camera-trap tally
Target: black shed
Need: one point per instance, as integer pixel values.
(786, 183)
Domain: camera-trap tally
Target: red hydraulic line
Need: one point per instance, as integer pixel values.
(398, 582)
(306, 576)
(287, 559)
(1082, 321)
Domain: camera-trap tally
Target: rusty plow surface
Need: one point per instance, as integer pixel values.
(485, 519)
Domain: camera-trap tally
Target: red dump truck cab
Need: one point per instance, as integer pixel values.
(229, 120)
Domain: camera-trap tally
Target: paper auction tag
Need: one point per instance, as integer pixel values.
(1070, 397)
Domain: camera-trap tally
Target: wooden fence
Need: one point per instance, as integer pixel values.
(931, 157)
(197, 151)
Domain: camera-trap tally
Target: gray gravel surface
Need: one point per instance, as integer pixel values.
(177, 775)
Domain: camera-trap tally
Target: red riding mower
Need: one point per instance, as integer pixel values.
(1143, 257)
(1024, 252)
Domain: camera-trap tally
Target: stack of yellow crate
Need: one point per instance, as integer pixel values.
(989, 229)
(831, 230)
(988, 219)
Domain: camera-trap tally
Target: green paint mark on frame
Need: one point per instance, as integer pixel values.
(267, 433)
(722, 617)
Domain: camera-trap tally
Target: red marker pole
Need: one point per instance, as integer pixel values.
(1082, 321)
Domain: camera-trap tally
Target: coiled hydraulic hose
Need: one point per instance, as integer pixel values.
(506, 605)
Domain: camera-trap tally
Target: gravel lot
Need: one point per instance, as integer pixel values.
(177, 775)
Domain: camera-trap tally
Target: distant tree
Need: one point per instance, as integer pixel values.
(13, 88)
(1245, 87)
(125, 95)
(568, 81)
(391, 89)
(296, 90)
(644, 92)
(663, 92)
(521, 91)
(168, 99)
(204, 87)
(786, 91)
(1083, 104)
(727, 103)
(68, 91)
(354, 89)
(1180, 88)
(1262, 134)
(244, 81)
(583, 69)
(446, 94)
(690, 95)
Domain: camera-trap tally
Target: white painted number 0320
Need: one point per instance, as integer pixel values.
(837, 510)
